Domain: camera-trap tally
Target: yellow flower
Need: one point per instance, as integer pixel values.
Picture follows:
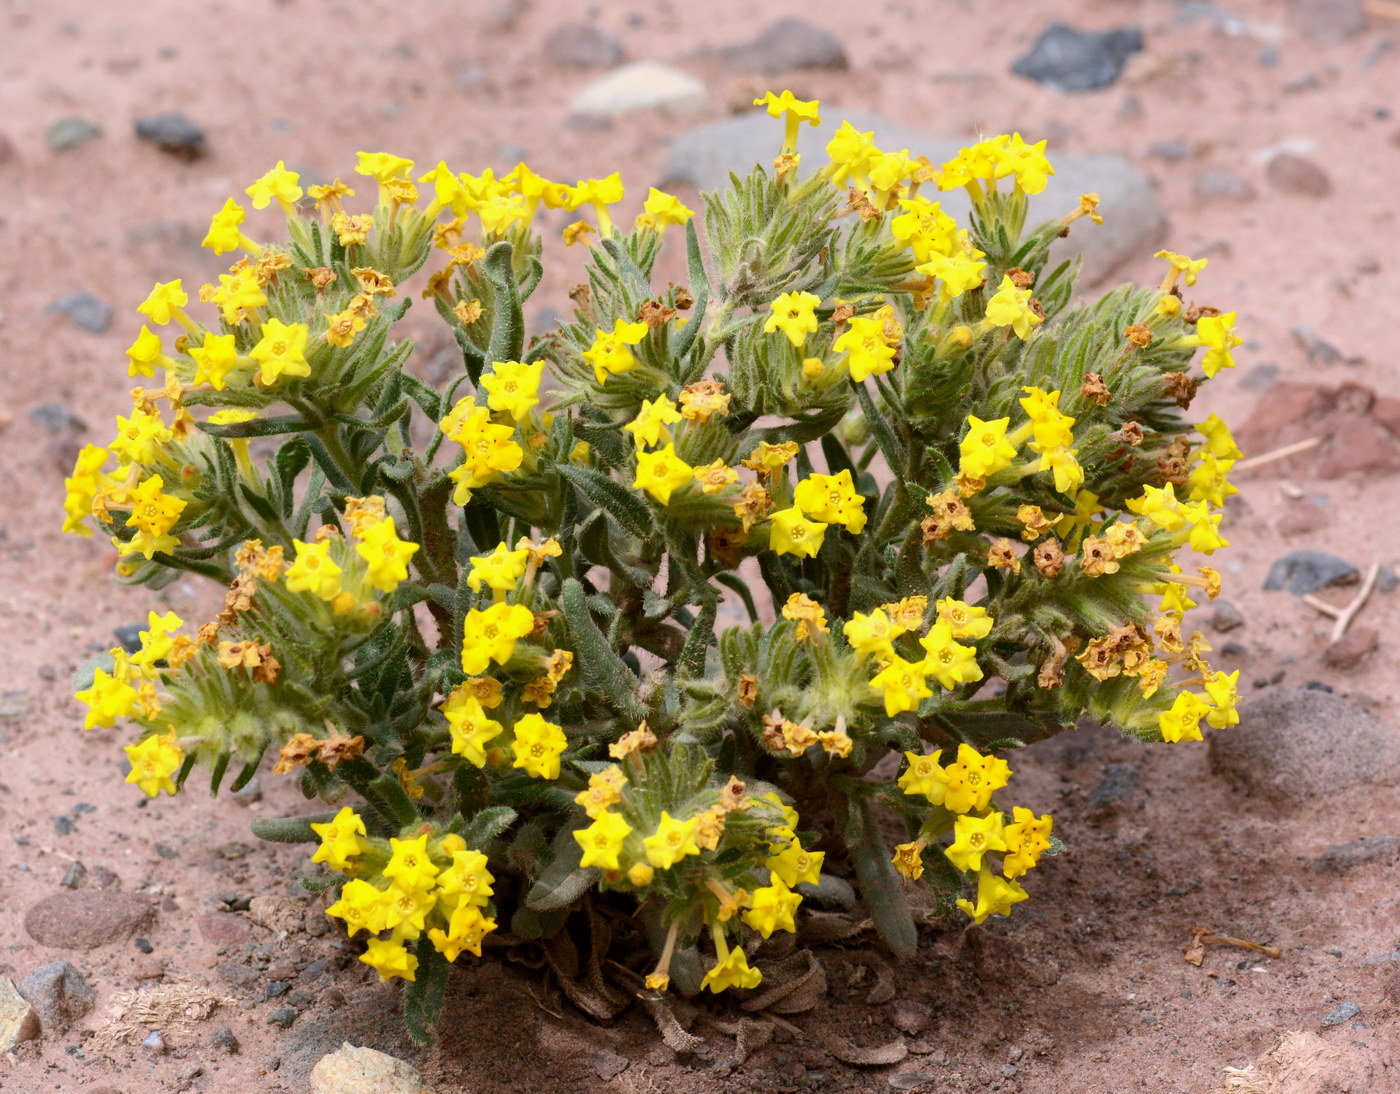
(600, 193)
(731, 971)
(465, 931)
(973, 838)
(1160, 506)
(491, 635)
(499, 571)
(341, 327)
(909, 859)
(1183, 721)
(513, 388)
(341, 839)
(672, 841)
(963, 620)
(410, 865)
(278, 183)
(649, 426)
(1026, 840)
(1182, 266)
(110, 697)
(386, 555)
(794, 865)
(831, 499)
(872, 635)
(851, 152)
(1218, 333)
(959, 272)
(214, 360)
(985, 450)
(903, 684)
(153, 762)
(715, 477)
(1011, 307)
(362, 906)
(793, 111)
(389, 959)
(313, 571)
(164, 302)
(156, 642)
(225, 230)
(925, 229)
(665, 210)
(146, 354)
(908, 612)
(151, 511)
(793, 534)
(947, 661)
(1013, 156)
(1219, 443)
(467, 882)
(471, 729)
(538, 746)
(771, 908)
(139, 437)
(1221, 688)
(769, 459)
(602, 841)
(448, 191)
(238, 294)
(604, 791)
(609, 354)
(995, 896)
(661, 473)
(383, 166)
(869, 352)
(795, 314)
(81, 489)
(490, 449)
(281, 351)
(972, 779)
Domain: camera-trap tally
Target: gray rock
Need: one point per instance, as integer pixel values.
(581, 45)
(56, 418)
(87, 312)
(18, 1022)
(1351, 649)
(284, 1017)
(1135, 221)
(1074, 60)
(129, 635)
(173, 134)
(1297, 746)
(1226, 617)
(1116, 790)
(786, 46)
(1302, 572)
(1172, 151)
(353, 1070)
(1359, 852)
(372, 1019)
(1342, 1012)
(1296, 175)
(224, 1039)
(74, 876)
(84, 919)
(69, 133)
(154, 1043)
(1222, 184)
(1329, 20)
(59, 994)
(608, 1065)
(642, 85)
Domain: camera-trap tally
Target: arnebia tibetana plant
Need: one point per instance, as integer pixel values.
(639, 613)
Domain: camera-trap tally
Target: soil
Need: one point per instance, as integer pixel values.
(1084, 988)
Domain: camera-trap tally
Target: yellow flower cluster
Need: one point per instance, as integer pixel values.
(424, 885)
(902, 680)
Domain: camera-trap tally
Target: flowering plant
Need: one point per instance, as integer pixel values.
(633, 611)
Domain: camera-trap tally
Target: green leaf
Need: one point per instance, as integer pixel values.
(736, 584)
(388, 798)
(507, 318)
(612, 497)
(880, 883)
(488, 824)
(890, 444)
(290, 829)
(249, 770)
(563, 881)
(691, 662)
(217, 775)
(603, 671)
(423, 995)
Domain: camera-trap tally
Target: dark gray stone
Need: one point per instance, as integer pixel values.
(55, 418)
(59, 995)
(129, 635)
(581, 45)
(786, 46)
(87, 312)
(84, 919)
(1135, 220)
(1075, 60)
(1171, 151)
(1306, 571)
(1226, 617)
(283, 1016)
(1222, 184)
(71, 132)
(173, 134)
(1116, 790)
(1296, 746)
(1359, 852)
(1342, 1012)
(1329, 20)
(74, 876)
(223, 1038)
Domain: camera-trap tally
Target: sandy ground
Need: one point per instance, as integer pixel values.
(1085, 989)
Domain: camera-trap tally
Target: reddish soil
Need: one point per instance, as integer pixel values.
(1085, 988)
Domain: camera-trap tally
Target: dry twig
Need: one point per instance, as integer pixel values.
(1277, 454)
(1201, 937)
(1344, 615)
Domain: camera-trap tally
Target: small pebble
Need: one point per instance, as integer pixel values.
(144, 946)
(223, 1038)
(154, 1043)
(173, 134)
(283, 1016)
(1343, 1012)
(74, 876)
